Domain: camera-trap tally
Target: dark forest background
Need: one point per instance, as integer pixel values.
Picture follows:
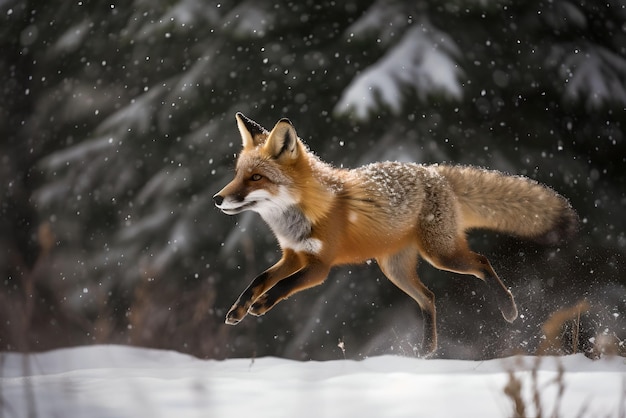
(117, 126)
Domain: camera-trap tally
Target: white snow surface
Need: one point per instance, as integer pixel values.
(120, 381)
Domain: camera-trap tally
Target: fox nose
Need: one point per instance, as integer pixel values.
(218, 200)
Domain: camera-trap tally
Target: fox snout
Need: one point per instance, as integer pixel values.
(218, 200)
(231, 204)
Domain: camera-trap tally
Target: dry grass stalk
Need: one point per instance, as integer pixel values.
(533, 407)
(552, 328)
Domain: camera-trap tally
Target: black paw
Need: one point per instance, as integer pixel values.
(235, 315)
(261, 306)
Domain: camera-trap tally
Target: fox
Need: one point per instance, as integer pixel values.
(395, 213)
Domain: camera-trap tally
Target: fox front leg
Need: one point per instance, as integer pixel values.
(287, 265)
(245, 300)
(311, 275)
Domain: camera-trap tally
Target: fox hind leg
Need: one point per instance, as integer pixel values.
(504, 297)
(459, 258)
(401, 269)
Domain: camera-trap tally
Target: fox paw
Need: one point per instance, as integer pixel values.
(236, 314)
(509, 311)
(259, 307)
(507, 307)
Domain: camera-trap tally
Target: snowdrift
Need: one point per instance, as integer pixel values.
(118, 381)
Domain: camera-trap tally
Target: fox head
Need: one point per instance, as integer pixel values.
(265, 169)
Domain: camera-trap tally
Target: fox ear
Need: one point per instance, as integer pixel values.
(252, 134)
(283, 140)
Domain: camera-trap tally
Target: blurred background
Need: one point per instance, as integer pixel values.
(117, 126)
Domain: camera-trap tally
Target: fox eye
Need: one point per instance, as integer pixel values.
(256, 177)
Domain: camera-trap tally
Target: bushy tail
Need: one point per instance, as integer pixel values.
(513, 204)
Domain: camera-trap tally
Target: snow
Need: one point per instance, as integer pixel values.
(119, 381)
(249, 18)
(596, 74)
(422, 59)
(383, 18)
(72, 38)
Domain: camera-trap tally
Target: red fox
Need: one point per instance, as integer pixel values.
(391, 212)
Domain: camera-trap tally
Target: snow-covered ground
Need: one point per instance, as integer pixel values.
(116, 381)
